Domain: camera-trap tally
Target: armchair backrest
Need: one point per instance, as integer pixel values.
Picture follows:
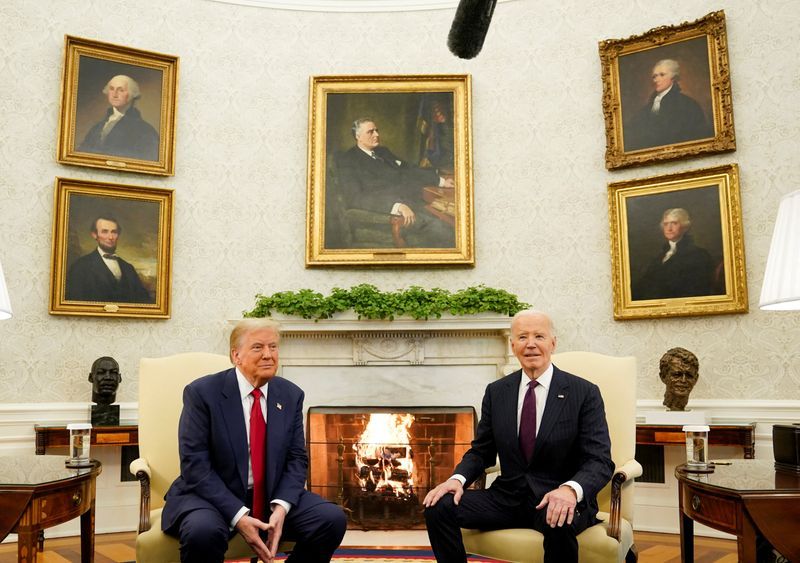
(616, 378)
(161, 384)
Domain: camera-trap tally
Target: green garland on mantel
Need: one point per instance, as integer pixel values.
(369, 302)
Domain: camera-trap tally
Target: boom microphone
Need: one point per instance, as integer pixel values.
(470, 25)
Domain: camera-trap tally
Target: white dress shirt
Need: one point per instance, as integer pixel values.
(657, 100)
(111, 263)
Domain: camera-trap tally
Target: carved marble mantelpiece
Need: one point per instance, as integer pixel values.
(346, 361)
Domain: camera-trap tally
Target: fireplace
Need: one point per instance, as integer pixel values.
(380, 462)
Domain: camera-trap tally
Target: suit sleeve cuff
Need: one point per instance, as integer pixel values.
(575, 487)
(460, 478)
(286, 506)
(238, 516)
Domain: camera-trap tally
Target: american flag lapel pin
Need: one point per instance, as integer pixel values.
(561, 396)
(280, 406)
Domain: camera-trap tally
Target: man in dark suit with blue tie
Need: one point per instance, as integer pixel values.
(548, 428)
(244, 461)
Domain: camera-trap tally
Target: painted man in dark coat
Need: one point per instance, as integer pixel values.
(669, 117)
(372, 178)
(103, 276)
(122, 132)
(681, 268)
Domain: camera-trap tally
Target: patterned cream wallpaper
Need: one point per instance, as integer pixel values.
(540, 180)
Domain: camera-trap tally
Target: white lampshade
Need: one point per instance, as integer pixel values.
(5, 302)
(781, 289)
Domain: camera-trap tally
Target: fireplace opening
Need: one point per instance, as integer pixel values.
(380, 462)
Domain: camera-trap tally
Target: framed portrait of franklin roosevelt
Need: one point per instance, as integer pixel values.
(112, 250)
(667, 93)
(390, 171)
(117, 108)
(677, 247)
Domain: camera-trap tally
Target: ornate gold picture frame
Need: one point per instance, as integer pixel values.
(390, 171)
(677, 246)
(112, 250)
(667, 93)
(117, 108)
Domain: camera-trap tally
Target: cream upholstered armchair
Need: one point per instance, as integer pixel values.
(612, 539)
(161, 383)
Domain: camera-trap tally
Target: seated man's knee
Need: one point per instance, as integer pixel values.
(444, 507)
(203, 536)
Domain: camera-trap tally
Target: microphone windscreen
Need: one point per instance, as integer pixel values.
(470, 25)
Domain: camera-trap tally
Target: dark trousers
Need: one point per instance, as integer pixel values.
(316, 525)
(491, 510)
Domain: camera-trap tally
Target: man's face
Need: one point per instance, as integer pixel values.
(532, 342)
(662, 78)
(106, 234)
(118, 93)
(257, 356)
(105, 377)
(367, 136)
(681, 378)
(672, 228)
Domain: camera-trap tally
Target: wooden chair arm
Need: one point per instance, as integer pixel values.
(630, 470)
(141, 469)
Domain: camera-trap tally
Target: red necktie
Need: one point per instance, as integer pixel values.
(527, 422)
(258, 441)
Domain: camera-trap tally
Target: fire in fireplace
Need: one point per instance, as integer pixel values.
(380, 462)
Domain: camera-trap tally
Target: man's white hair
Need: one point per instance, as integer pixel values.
(133, 86)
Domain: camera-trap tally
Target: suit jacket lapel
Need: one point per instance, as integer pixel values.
(508, 410)
(276, 430)
(556, 399)
(234, 420)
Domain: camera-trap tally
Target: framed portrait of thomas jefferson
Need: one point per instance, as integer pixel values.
(117, 108)
(112, 250)
(390, 171)
(667, 93)
(677, 247)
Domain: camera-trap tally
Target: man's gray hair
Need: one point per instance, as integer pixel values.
(672, 66)
(133, 86)
(680, 214)
(535, 313)
(358, 122)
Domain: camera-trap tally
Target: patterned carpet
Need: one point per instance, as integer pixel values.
(363, 555)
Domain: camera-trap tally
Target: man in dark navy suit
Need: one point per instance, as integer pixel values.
(102, 275)
(221, 490)
(374, 179)
(549, 429)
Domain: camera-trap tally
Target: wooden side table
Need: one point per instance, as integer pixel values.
(38, 492)
(748, 498)
(53, 436)
(742, 435)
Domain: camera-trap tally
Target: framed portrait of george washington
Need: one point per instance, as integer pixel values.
(677, 247)
(117, 108)
(112, 250)
(390, 171)
(667, 93)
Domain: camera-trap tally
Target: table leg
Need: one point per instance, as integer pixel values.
(87, 535)
(27, 545)
(746, 543)
(687, 539)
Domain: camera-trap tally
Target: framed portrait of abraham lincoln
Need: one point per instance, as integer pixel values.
(667, 93)
(389, 171)
(117, 108)
(112, 250)
(677, 247)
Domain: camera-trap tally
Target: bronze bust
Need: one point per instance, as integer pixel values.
(679, 370)
(105, 378)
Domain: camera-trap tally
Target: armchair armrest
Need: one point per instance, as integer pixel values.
(141, 469)
(629, 470)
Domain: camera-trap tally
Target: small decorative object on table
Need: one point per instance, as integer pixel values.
(80, 440)
(697, 448)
